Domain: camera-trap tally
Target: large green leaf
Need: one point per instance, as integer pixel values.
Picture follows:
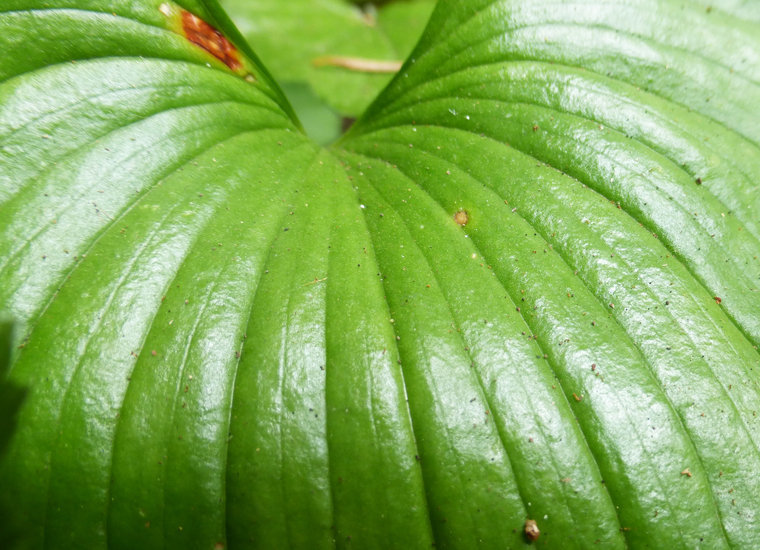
(525, 286)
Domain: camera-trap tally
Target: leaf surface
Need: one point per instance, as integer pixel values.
(523, 286)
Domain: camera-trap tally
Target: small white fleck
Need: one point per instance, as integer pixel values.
(165, 9)
(362, 206)
(453, 112)
(467, 117)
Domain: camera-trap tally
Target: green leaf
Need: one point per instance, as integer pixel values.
(524, 286)
(11, 398)
(292, 37)
(320, 122)
(7, 410)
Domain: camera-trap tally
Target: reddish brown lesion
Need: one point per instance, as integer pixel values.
(207, 37)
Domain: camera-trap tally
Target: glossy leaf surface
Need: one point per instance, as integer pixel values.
(524, 286)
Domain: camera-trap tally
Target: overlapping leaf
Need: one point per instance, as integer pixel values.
(525, 285)
(11, 398)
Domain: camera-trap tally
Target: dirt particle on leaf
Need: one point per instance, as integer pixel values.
(461, 217)
(717, 300)
(686, 472)
(531, 530)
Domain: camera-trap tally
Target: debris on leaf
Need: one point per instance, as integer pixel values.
(532, 531)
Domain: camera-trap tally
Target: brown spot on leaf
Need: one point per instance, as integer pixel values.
(207, 37)
(461, 217)
(717, 300)
(531, 530)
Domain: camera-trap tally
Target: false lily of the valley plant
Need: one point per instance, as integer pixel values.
(517, 303)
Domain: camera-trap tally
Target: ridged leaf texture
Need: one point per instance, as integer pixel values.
(524, 286)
